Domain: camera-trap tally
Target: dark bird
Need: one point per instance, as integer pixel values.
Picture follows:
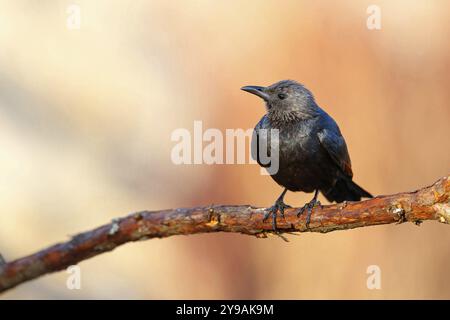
(313, 155)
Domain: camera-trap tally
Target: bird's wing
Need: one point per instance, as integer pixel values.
(334, 144)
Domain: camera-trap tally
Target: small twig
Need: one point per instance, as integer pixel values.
(430, 203)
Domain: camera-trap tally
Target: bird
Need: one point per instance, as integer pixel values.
(313, 154)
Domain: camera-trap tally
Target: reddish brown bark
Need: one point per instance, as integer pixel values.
(430, 203)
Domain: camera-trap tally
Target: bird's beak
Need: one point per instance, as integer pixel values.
(259, 91)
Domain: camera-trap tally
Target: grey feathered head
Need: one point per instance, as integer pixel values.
(286, 100)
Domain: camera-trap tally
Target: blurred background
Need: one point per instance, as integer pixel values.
(86, 117)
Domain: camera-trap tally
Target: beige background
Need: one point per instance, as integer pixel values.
(86, 117)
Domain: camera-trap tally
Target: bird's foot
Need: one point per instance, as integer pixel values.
(279, 206)
(309, 207)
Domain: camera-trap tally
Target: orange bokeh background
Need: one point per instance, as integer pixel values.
(86, 117)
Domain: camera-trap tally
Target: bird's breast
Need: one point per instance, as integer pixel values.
(302, 161)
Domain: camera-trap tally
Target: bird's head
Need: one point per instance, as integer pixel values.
(286, 100)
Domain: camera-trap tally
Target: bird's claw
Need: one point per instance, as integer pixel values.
(279, 206)
(309, 206)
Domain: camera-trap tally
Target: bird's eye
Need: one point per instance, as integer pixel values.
(282, 96)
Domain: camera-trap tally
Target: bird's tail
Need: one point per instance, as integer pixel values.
(346, 190)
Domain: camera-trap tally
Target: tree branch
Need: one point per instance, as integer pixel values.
(429, 203)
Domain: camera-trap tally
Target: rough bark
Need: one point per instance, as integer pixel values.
(429, 203)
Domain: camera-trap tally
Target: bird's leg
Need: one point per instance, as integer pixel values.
(309, 206)
(278, 206)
